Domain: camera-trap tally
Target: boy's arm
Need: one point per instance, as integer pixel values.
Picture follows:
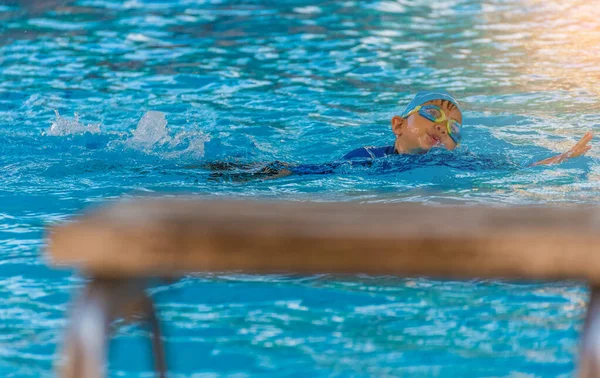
(243, 172)
(579, 149)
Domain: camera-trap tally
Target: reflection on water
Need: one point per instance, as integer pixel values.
(300, 82)
(559, 40)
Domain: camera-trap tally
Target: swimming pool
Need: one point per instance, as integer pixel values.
(162, 87)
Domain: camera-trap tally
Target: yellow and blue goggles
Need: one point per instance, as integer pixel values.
(436, 114)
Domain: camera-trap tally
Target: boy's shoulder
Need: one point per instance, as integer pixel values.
(370, 152)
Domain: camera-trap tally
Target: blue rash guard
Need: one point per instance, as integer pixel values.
(370, 153)
(359, 157)
(368, 157)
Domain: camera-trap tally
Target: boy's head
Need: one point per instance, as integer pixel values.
(431, 119)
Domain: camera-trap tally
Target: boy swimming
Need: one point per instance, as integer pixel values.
(432, 119)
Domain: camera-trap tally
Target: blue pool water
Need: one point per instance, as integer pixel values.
(101, 100)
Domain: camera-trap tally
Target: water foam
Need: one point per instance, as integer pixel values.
(152, 136)
(63, 126)
(150, 130)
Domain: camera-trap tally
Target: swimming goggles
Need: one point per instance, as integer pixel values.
(436, 114)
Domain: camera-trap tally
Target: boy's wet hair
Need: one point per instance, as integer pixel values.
(450, 104)
(423, 97)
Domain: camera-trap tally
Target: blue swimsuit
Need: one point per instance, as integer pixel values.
(361, 157)
(370, 153)
(367, 157)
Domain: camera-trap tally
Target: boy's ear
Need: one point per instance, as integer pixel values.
(398, 125)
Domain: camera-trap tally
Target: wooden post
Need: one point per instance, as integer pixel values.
(590, 339)
(86, 341)
(158, 349)
(103, 301)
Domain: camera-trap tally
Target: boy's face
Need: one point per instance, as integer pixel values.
(417, 134)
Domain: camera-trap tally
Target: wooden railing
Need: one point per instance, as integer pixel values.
(123, 246)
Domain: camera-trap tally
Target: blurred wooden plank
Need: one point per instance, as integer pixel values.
(170, 237)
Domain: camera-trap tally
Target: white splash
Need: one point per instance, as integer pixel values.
(151, 129)
(64, 126)
(152, 136)
(193, 141)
